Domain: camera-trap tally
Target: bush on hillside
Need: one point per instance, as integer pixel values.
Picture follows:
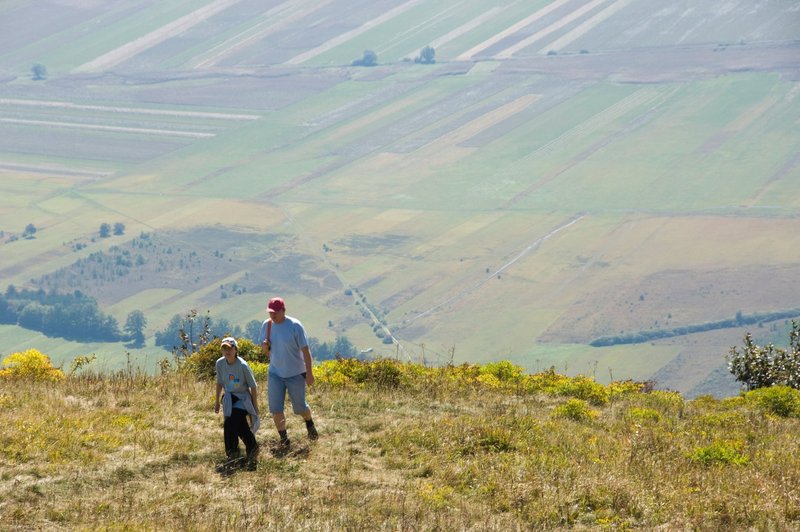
(762, 366)
(202, 363)
(502, 376)
(30, 365)
(576, 410)
(778, 400)
(720, 453)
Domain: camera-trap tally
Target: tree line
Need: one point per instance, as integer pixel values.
(738, 321)
(74, 316)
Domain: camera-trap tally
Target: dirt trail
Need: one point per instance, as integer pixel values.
(465, 292)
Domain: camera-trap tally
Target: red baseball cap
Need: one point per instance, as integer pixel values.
(276, 304)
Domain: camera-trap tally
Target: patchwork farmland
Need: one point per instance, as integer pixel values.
(565, 170)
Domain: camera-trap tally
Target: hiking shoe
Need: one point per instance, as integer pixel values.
(312, 432)
(252, 454)
(251, 460)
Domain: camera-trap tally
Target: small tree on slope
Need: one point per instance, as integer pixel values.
(761, 366)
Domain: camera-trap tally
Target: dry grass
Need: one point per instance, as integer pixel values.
(401, 448)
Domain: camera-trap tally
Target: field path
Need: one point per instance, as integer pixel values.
(344, 37)
(126, 51)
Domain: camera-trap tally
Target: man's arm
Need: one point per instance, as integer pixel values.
(309, 370)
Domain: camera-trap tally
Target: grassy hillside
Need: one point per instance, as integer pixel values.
(402, 447)
(566, 170)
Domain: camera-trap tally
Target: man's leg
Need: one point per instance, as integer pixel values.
(276, 397)
(297, 393)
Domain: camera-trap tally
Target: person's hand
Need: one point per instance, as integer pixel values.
(309, 378)
(216, 408)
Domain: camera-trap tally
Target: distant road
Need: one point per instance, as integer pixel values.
(489, 277)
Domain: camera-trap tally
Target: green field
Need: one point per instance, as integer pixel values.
(502, 207)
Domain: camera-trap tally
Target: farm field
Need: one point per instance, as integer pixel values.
(565, 170)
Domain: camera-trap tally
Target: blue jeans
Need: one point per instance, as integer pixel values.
(276, 393)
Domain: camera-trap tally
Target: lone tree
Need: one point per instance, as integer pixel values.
(134, 327)
(105, 230)
(119, 228)
(427, 56)
(30, 230)
(38, 72)
(369, 59)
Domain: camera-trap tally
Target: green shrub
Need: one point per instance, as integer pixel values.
(505, 371)
(30, 365)
(720, 453)
(668, 403)
(576, 410)
(647, 415)
(546, 381)
(779, 400)
(584, 388)
(385, 372)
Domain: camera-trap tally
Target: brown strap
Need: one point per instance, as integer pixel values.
(269, 328)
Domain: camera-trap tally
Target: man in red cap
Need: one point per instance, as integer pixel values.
(283, 340)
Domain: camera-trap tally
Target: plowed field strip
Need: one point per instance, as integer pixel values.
(51, 170)
(578, 32)
(557, 25)
(494, 39)
(477, 125)
(459, 31)
(277, 18)
(598, 120)
(344, 37)
(131, 110)
(137, 46)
